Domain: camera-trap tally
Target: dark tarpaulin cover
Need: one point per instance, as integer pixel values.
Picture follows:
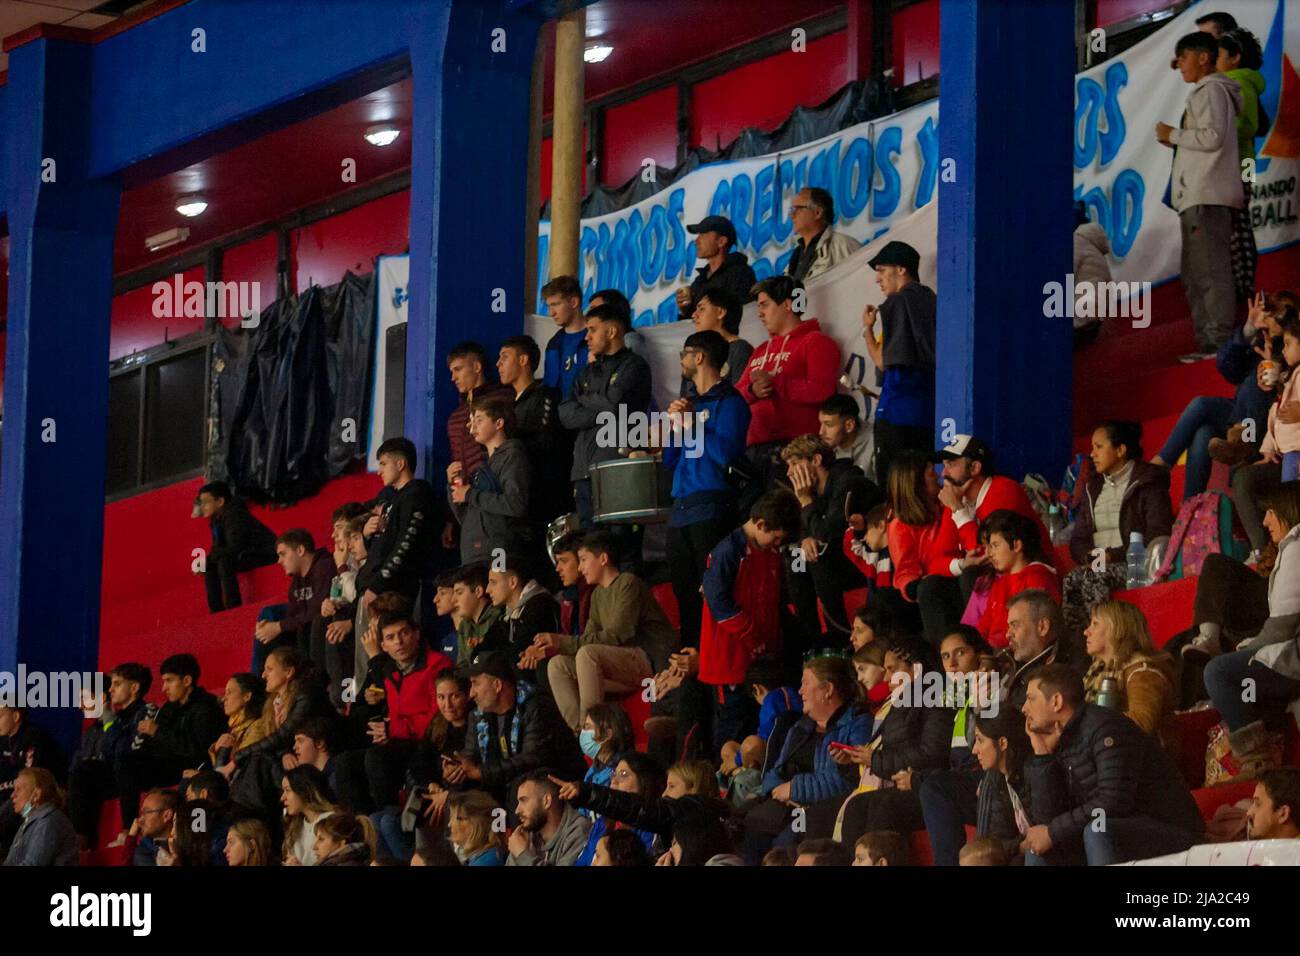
(854, 103)
(284, 389)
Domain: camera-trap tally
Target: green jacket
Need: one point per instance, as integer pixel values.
(1252, 85)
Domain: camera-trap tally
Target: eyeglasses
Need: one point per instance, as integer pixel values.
(819, 652)
(685, 352)
(623, 775)
(794, 206)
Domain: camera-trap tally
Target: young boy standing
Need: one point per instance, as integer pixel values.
(1206, 188)
(492, 505)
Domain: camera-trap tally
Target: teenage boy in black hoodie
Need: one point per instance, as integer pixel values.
(406, 527)
(310, 571)
(829, 489)
(94, 774)
(529, 608)
(537, 425)
(175, 739)
(239, 543)
(492, 506)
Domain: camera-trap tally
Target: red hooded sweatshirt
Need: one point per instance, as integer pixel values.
(993, 623)
(805, 368)
(959, 531)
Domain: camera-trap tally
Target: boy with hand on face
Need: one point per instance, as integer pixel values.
(481, 621)
(310, 571)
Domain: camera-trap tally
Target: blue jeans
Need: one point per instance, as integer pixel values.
(949, 800)
(1290, 465)
(1204, 418)
(394, 842)
(1224, 677)
(272, 612)
(1122, 840)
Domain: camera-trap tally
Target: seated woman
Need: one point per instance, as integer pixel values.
(803, 772)
(699, 836)
(620, 848)
(1210, 417)
(911, 737)
(1119, 643)
(1271, 658)
(1126, 496)
(639, 778)
(1233, 601)
(470, 818)
(606, 733)
(344, 840)
(295, 693)
(400, 832)
(1001, 747)
(248, 843)
(913, 494)
(307, 800)
(242, 702)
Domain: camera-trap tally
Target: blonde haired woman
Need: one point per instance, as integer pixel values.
(1119, 642)
(248, 843)
(474, 838)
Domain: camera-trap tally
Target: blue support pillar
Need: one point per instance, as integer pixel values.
(1005, 224)
(60, 286)
(469, 173)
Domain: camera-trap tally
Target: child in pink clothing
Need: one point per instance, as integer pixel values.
(1283, 439)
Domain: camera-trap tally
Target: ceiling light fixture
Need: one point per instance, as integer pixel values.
(382, 135)
(597, 52)
(192, 206)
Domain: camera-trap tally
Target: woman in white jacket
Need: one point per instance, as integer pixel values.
(1268, 663)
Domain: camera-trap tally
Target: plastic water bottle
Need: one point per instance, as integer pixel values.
(1055, 523)
(1137, 561)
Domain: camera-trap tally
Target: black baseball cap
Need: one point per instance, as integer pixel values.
(898, 253)
(966, 446)
(719, 224)
(494, 664)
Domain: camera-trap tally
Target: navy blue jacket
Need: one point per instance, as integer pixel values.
(112, 742)
(1236, 362)
(700, 485)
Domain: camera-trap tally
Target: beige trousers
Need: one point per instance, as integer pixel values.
(597, 671)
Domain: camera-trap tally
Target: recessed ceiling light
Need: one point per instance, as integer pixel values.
(382, 135)
(597, 52)
(191, 207)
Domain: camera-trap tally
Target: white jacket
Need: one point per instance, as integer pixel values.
(1206, 167)
(1090, 263)
(834, 247)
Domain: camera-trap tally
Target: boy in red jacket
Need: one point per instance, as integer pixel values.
(1015, 552)
(411, 694)
(789, 376)
(742, 605)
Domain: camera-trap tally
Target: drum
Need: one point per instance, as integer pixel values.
(631, 491)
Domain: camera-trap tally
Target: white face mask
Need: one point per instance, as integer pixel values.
(461, 855)
(26, 811)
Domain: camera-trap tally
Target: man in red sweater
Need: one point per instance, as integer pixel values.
(788, 377)
(970, 493)
(412, 698)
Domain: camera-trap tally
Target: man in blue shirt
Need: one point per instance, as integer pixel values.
(566, 352)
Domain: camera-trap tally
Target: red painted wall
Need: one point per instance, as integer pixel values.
(916, 42)
(252, 261)
(644, 128)
(323, 251)
(763, 93)
(135, 327)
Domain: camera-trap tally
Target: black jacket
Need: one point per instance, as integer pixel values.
(544, 740)
(113, 743)
(736, 276)
(237, 534)
(186, 731)
(995, 816)
(1106, 762)
(916, 737)
(407, 543)
(305, 705)
(550, 449)
(1067, 649)
(604, 384)
(848, 491)
(497, 512)
(32, 746)
(650, 813)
